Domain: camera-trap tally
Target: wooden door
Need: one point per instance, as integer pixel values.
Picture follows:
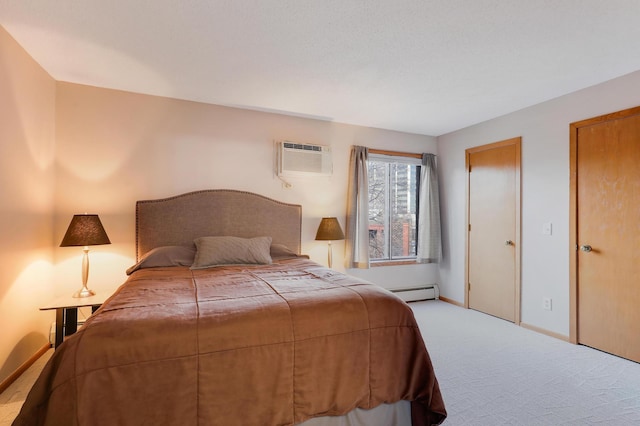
(493, 229)
(606, 161)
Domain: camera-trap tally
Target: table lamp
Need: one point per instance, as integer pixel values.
(329, 230)
(85, 230)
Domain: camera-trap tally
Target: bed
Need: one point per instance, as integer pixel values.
(222, 321)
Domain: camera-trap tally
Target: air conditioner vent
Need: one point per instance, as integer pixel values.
(297, 159)
(302, 146)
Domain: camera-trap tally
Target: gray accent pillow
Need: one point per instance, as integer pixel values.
(165, 256)
(216, 251)
(281, 252)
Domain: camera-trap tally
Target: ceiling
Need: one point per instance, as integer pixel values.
(421, 66)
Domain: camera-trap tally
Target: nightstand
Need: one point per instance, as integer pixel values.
(67, 313)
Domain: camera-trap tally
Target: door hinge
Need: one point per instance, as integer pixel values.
(469, 227)
(469, 168)
(469, 286)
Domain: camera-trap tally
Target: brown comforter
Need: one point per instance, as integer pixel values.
(264, 345)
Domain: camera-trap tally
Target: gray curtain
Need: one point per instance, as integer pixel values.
(357, 242)
(429, 239)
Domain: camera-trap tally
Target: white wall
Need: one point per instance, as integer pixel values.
(545, 193)
(114, 148)
(27, 100)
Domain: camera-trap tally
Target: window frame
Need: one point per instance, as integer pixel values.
(401, 158)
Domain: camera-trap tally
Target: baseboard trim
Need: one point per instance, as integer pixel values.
(522, 324)
(545, 332)
(453, 302)
(28, 363)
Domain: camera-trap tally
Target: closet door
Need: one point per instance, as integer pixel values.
(494, 229)
(607, 214)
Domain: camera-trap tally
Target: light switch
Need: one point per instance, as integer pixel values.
(546, 228)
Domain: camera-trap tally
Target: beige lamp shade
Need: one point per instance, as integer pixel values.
(329, 229)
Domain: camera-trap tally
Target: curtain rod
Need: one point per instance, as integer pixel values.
(394, 153)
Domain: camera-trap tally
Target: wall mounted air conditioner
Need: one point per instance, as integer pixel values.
(298, 159)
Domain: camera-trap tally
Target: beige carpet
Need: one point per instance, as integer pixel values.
(492, 372)
(11, 400)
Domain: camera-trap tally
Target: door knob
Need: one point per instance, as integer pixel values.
(508, 243)
(586, 248)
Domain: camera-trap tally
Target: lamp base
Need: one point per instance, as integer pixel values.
(84, 292)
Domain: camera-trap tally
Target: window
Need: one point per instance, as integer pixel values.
(394, 185)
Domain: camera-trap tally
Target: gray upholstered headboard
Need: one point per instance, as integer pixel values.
(179, 220)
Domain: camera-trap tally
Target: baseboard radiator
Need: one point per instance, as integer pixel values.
(417, 293)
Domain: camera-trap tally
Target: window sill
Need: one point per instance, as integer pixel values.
(394, 263)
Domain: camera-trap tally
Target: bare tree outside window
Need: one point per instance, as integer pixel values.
(393, 201)
(378, 173)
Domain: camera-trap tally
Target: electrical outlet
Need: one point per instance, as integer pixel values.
(546, 304)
